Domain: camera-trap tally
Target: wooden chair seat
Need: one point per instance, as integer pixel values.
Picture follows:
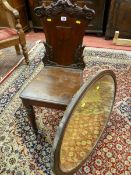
(53, 87)
(9, 36)
(6, 33)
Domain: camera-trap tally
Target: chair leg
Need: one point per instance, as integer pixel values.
(22, 41)
(17, 48)
(31, 117)
(25, 53)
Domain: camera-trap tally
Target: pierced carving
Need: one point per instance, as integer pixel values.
(56, 8)
(78, 57)
(70, 9)
(48, 55)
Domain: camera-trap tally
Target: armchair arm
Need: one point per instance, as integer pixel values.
(12, 16)
(10, 9)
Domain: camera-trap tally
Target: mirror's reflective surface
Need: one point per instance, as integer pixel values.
(87, 122)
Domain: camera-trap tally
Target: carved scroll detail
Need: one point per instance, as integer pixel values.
(78, 57)
(48, 53)
(48, 56)
(56, 8)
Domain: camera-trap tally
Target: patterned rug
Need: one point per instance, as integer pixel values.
(22, 153)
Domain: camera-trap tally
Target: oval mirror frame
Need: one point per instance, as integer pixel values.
(59, 137)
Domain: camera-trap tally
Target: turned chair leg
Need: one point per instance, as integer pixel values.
(17, 48)
(22, 41)
(25, 53)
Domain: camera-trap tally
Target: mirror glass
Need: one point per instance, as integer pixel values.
(86, 123)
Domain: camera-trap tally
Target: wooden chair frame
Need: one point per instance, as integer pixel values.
(55, 85)
(13, 18)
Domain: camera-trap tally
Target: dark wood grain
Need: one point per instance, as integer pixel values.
(53, 87)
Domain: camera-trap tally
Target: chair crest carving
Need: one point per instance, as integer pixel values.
(64, 24)
(64, 6)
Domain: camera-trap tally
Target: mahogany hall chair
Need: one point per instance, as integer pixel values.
(14, 34)
(64, 25)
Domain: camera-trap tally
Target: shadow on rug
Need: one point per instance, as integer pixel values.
(22, 153)
(9, 58)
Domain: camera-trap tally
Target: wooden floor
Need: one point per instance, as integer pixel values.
(89, 40)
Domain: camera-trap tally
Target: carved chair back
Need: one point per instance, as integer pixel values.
(64, 25)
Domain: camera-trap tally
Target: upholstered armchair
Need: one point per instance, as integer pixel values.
(14, 34)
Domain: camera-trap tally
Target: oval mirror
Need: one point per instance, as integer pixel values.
(83, 123)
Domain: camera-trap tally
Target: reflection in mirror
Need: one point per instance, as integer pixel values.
(87, 122)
